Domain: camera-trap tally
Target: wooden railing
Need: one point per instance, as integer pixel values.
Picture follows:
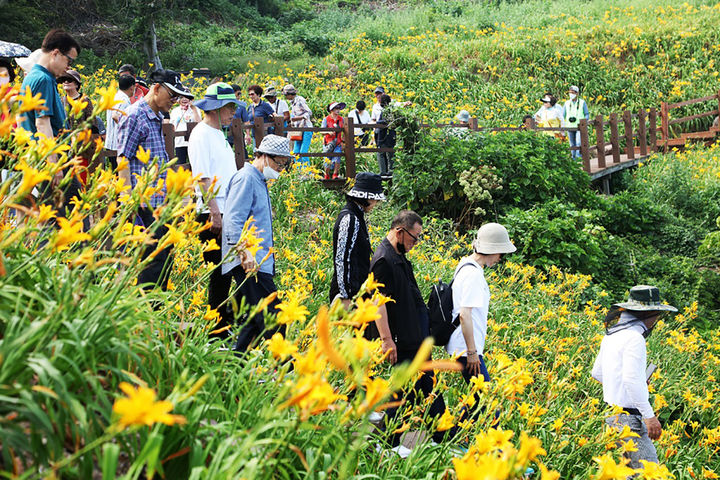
(606, 143)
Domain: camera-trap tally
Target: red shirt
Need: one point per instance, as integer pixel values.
(139, 93)
(330, 122)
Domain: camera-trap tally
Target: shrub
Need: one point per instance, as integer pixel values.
(531, 168)
(557, 234)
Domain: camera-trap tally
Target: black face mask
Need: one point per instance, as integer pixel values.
(401, 248)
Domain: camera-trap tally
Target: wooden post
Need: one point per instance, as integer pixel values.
(585, 144)
(239, 142)
(629, 141)
(600, 134)
(279, 123)
(642, 132)
(614, 138)
(665, 126)
(653, 129)
(349, 147)
(169, 136)
(259, 130)
(473, 124)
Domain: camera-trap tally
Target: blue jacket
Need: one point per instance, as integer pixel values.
(247, 195)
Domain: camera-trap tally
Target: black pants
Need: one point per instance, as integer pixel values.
(182, 155)
(51, 196)
(467, 376)
(218, 284)
(422, 389)
(157, 272)
(252, 290)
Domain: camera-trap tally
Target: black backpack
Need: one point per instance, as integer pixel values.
(440, 306)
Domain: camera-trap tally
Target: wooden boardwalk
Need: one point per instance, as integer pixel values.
(607, 144)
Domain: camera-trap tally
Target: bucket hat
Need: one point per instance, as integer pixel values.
(463, 116)
(379, 90)
(546, 99)
(289, 89)
(270, 92)
(275, 146)
(335, 105)
(367, 185)
(574, 88)
(492, 238)
(644, 298)
(171, 80)
(216, 96)
(71, 75)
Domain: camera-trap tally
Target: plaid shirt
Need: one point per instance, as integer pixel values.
(142, 126)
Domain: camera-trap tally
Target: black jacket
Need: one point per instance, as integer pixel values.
(407, 316)
(351, 252)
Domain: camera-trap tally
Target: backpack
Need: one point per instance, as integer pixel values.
(440, 306)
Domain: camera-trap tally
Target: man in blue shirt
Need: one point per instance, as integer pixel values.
(142, 126)
(247, 196)
(59, 51)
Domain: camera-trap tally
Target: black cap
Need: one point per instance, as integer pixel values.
(367, 185)
(171, 80)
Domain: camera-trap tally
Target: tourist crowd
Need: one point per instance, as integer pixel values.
(228, 198)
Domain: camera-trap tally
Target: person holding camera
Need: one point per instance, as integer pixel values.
(575, 109)
(621, 368)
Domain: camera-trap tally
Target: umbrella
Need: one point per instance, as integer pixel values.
(13, 50)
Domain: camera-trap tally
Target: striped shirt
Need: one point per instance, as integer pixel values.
(143, 127)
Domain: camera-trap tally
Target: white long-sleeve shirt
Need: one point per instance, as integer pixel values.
(620, 367)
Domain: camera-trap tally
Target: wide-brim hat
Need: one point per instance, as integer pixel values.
(71, 75)
(644, 298)
(289, 89)
(275, 146)
(217, 96)
(334, 105)
(367, 185)
(546, 99)
(171, 80)
(493, 238)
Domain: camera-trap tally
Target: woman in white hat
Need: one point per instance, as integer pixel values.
(471, 298)
(550, 114)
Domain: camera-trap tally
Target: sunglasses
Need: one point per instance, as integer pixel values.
(173, 96)
(282, 165)
(69, 58)
(415, 239)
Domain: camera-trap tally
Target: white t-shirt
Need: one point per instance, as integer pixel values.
(280, 106)
(211, 156)
(363, 117)
(180, 118)
(470, 290)
(111, 127)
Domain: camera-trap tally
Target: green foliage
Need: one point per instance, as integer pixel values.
(531, 169)
(559, 234)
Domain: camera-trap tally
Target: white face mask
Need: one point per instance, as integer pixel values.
(270, 173)
(573, 96)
